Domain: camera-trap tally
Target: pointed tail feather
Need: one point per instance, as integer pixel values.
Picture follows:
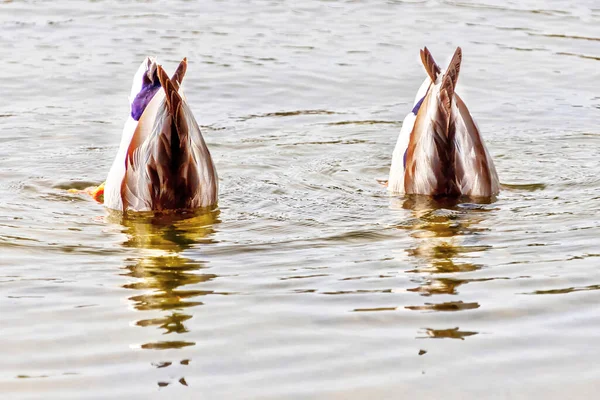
(449, 81)
(177, 77)
(173, 98)
(447, 88)
(433, 70)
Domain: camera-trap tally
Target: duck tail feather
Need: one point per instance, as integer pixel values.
(431, 67)
(177, 77)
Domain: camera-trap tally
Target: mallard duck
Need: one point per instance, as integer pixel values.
(440, 151)
(163, 162)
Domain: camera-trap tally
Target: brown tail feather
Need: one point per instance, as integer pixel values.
(173, 98)
(177, 77)
(449, 80)
(433, 70)
(446, 134)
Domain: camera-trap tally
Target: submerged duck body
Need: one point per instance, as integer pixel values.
(440, 151)
(163, 162)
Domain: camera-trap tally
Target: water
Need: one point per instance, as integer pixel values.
(309, 281)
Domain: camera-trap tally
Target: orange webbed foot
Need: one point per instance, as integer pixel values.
(96, 192)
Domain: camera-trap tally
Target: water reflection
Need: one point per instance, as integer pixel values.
(446, 306)
(162, 270)
(445, 233)
(572, 289)
(453, 333)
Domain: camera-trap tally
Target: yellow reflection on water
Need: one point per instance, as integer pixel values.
(446, 236)
(162, 271)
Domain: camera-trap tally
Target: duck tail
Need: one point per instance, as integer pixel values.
(171, 168)
(446, 128)
(173, 173)
(430, 157)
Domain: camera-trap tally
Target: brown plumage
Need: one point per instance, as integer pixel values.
(168, 165)
(442, 131)
(432, 69)
(142, 132)
(177, 77)
(482, 164)
(445, 154)
(445, 129)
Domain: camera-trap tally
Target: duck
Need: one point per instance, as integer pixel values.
(163, 162)
(440, 151)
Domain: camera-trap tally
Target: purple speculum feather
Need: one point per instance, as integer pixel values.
(415, 110)
(143, 98)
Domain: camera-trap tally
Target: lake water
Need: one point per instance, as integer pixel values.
(309, 281)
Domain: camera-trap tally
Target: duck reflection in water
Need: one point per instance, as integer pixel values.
(446, 235)
(162, 270)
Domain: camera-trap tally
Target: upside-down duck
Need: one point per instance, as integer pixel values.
(440, 151)
(163, 162)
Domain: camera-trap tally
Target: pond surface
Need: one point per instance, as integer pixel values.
(309, 281)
